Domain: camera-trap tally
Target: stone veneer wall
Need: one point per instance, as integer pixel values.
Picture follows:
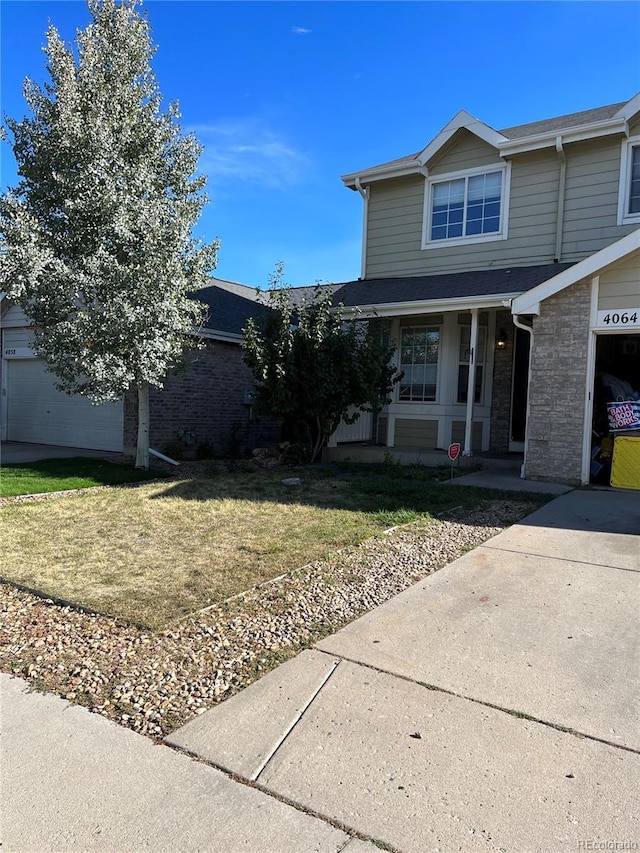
(501, 391)
(557, 390)
(205, 401)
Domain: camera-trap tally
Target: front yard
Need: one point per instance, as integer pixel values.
(151, 554)
(53, 475)
(154, 555)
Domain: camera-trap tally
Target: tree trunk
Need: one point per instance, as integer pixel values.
(317, 440)
(142, 448)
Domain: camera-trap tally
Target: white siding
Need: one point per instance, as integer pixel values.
(361, 430)
(14, 317)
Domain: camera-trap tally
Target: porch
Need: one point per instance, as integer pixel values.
(464, 380)
(367, 452)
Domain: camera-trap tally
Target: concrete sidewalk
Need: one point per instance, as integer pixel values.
(492, 706)
(73, 781)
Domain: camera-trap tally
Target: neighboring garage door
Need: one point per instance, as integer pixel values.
(37, 412)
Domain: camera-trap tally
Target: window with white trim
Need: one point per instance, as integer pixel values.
(466, 207)
(419, 347)
(629, 201)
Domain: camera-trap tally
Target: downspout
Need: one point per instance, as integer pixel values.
(364, 192)
(562, 181)
(520, 325)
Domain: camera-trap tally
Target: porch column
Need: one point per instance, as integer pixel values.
(471, 384)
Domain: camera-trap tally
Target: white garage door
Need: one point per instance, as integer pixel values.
(37, 412)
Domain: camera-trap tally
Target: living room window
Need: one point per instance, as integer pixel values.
(629, 198)
(419, 347)
(466, 207)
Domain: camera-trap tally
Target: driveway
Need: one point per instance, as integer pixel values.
(13, 452)
(492, 706)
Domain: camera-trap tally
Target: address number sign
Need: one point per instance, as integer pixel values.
(624, 318)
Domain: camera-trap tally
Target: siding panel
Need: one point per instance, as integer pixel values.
(458, 430)
(463, 149)
(593, 173)
(396, 211)
(620, 285)
(414, 432)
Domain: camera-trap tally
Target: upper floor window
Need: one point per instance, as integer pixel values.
(629, 198)
(466, 207)
(419, 347)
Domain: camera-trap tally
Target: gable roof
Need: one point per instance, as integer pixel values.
(229, 308)
(562, 122)
(388, 296)
(573, 127)
(529, 302)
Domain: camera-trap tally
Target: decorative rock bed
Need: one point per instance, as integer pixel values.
(154, 682)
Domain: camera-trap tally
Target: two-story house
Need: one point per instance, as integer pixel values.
(508, 263)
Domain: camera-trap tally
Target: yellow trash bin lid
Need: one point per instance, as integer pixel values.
(625, 467)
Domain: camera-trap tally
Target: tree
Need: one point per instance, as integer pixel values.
(97, 244)
(313, 365)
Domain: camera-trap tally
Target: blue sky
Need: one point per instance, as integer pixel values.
(288, 96)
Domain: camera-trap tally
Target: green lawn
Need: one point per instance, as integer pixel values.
(152, 554)
(59, 475)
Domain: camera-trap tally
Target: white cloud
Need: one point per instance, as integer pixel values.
(300, 31)
(248, 150)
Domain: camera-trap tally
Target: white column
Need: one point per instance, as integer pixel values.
(471, 384)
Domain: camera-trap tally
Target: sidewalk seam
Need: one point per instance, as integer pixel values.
(520, 715)
(560, 559)
(299, 716)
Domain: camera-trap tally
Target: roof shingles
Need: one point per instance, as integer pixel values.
(454, 286)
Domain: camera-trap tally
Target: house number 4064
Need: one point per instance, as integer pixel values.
(618, 318)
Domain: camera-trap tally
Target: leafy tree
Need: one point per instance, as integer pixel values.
(312, 364)
(97, 244)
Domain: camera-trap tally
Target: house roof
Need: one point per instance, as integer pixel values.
(586, 124)
(443, 291)
(229, 308)
(562, 122)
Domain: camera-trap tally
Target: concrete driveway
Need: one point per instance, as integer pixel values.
(492, 706)
(13, 452)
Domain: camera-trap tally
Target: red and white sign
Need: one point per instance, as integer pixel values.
(624, 415)
(454, 451)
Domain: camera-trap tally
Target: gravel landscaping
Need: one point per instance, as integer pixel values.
(154, 682)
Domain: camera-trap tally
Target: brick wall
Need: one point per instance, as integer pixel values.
(501, 391)
(558, 381)
(205, 404)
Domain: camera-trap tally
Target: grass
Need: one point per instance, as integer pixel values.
(152, 554)
(59, 475)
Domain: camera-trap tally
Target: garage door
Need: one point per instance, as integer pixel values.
(38, 413)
